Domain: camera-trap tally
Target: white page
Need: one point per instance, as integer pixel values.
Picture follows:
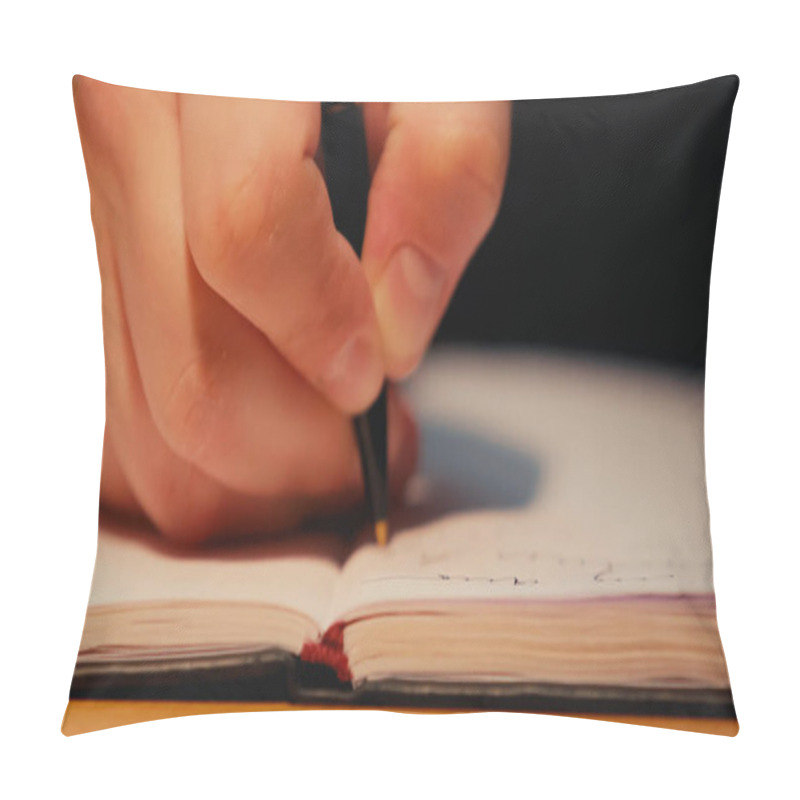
(296, 573)
(546, 477)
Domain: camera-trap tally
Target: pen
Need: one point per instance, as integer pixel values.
(346, 170)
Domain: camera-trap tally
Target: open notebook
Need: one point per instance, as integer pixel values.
(554, 555)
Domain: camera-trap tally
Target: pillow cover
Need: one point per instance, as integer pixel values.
(549, 545)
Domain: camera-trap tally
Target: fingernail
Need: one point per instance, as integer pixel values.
(355, 373)
(408, 300)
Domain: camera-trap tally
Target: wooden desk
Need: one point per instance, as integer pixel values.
(84, 716)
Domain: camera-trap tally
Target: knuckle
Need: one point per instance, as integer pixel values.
(242, 222)
(192, 418)
(476, 155)
(222, 226)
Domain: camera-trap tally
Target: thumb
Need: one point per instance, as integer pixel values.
(435, 193)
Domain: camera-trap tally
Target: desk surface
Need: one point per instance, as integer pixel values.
(84, 716)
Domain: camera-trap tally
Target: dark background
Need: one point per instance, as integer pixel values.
(605, 235)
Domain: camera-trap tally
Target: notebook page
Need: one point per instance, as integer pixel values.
(297, 572)
(545, 477)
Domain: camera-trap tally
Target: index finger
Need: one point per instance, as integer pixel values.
(261, 231)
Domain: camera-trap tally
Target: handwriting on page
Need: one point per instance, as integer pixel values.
(518, 557)
(607, 574)
(511, 579)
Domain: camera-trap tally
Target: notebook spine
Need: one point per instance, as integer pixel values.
(329, 650)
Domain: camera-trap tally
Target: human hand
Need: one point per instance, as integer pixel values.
(240, 328)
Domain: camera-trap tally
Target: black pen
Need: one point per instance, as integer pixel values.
(346, 170)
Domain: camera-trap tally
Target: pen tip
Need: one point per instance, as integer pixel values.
(382, 532)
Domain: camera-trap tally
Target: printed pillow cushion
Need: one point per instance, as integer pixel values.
(531, 277)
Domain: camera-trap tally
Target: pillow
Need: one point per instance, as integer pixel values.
(542, 482)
